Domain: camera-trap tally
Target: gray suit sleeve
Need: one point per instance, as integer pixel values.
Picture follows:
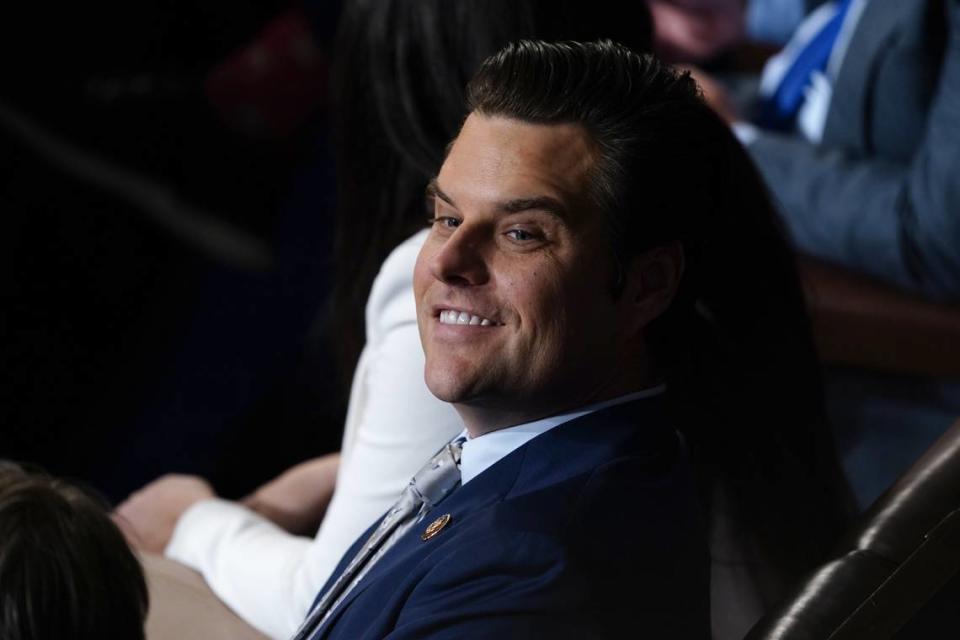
(898, 222)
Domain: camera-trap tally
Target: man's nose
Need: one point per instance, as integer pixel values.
(462, 260)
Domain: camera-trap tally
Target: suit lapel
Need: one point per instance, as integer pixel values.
(848, 118)
(464, 502)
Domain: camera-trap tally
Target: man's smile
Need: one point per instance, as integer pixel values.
(457, 316)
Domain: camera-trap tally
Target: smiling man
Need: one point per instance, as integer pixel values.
(602, 269)
(570, 509)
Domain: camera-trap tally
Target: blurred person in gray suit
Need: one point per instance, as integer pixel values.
(857, 134)
(862, 154)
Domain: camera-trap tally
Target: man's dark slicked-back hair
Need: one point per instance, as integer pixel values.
(735, 345)
(659, 144)
(621, 98)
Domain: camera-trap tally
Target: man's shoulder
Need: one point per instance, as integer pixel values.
(637, 493)
(595, 488)
(620, 541)
(624, 456)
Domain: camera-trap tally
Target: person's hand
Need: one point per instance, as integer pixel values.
(148, 517)
(714, 94)
(695, 30)
(297, 499)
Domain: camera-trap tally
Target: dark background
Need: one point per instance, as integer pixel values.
(126, 350)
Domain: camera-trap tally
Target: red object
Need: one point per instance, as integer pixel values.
(275, 83)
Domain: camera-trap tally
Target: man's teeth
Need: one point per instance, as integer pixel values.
(450, 316)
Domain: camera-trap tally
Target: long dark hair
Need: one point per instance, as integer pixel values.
(401, 67)
(735, 346)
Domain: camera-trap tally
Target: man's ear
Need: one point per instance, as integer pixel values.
(652, 280)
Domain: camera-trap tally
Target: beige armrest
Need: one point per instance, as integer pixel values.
(860, 322)
(182, 606)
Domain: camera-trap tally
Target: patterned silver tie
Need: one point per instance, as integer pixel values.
(431, 485)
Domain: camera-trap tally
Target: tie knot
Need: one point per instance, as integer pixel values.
(440, 475)
(456, 448)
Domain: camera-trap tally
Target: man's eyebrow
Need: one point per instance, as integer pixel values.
(541, 203)
(434, 191)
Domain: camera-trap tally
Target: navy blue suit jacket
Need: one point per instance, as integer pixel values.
(592, 529)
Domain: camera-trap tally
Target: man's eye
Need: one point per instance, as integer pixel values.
(520, 235)
(447, 222)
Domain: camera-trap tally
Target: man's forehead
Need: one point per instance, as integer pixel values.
(527, 142)
(499, 158)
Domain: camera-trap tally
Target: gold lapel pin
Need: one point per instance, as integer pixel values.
(434, 527)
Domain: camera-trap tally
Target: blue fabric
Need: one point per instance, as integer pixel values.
(590, 530)
(779, 111)
(773, 21)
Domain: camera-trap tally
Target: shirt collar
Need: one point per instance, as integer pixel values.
(482, 452)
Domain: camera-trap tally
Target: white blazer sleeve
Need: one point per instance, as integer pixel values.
(269, 577)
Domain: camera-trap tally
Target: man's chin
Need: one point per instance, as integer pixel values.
(448, 388)
(447, 394)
